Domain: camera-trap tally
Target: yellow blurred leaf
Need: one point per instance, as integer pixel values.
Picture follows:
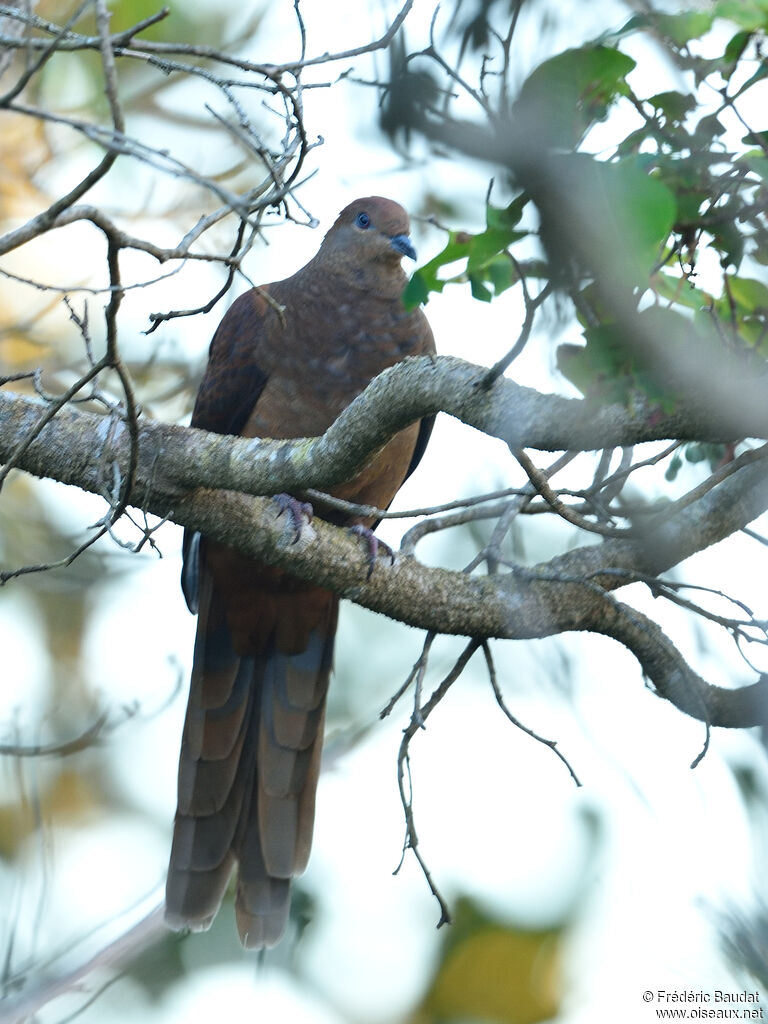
(18, 351)
(24, 149)
(493, 973)
(17, 821)
(67, 799)
(71, 798)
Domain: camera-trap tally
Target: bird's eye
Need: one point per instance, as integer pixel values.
(363, 220)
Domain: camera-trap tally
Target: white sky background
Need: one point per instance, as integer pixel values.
(497, 815)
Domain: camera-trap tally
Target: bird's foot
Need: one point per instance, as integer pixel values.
(373, 544)
(298, 511)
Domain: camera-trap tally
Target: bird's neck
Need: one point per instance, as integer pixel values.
(384, 279)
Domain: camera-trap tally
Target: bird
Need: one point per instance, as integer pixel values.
(286, 359)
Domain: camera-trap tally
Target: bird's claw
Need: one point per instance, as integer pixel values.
(373, 544)
(299, 511)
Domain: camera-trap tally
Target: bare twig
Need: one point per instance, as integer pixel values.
(552, 744)
(404, 780)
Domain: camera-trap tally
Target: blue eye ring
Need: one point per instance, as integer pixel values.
(362, 220)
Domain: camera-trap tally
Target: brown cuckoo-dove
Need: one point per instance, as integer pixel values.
(285, 361)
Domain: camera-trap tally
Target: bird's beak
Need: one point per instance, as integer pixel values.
(403, 245)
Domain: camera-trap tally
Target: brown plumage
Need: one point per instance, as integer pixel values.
(250, 753)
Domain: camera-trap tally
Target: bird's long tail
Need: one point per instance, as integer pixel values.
(250, 759)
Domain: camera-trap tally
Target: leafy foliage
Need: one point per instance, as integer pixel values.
(489, 266)
(566, 95)
(685, 184)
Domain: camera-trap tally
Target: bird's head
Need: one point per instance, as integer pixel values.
(369, 231)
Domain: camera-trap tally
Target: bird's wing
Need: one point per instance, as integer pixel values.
(233, 381)
(234, 377)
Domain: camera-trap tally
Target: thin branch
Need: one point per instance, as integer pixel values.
(49, 50)
(552, 744)
(417, 672)
(120, 43)
(404, 780)
(157, 318)
(531, 308)
(378, 44)
(353, 509)
(137, 938)
(491, 554)
(539, 481)
(76, 745)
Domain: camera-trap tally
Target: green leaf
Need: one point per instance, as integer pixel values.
(479, 290)
(417, 290)
(565, 95)
(574, 366)
(758, 76)
(754, 331)
(673, 468)
(624, 215)
(636, 210)
(485, 253)
(689, 205)
(729, 241)
(736, 46)
(592, 299)
(756, 139)
(675, 106)
(748, 14)
(501, 273)
(486, 246)
(607, 351)
(425, 279)
(732, 54)
(636, 23)
(681, 28)
(756, 161)
(602, 367)
(709, 127)
(632, 143)
(675, 289)
(507, 217)
(493, 971)
(748, 294)
(609, 369)
(690, 180)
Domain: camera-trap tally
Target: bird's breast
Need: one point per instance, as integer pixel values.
(330, 343)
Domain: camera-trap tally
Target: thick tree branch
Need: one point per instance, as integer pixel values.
(570, 592)
(177, 458)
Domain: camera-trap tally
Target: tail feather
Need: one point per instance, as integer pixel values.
(247, 775)
(262, 904)
(262, 901)
(292, 712)
(289, 725)
(303, 807)
(193, 897)
(201, 842)
(214, 731)
(212, 744)
(294, 687)
(204, 786)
